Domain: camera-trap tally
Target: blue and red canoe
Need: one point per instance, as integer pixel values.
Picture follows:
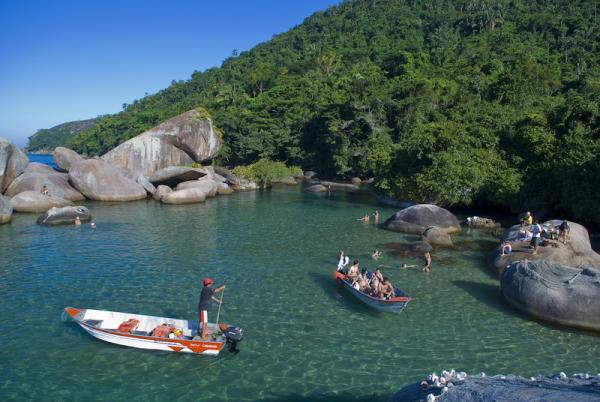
(392, 305)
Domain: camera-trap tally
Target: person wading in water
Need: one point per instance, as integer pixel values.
(207, 295)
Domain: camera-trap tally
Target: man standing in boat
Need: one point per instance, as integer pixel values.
(204, 305)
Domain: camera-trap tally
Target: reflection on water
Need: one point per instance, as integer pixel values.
(306, 339)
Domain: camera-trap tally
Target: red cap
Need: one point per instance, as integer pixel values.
(207, 281)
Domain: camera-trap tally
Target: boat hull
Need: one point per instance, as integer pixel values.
(393, 305)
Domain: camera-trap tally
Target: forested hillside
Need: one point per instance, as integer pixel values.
(46, 139)
(449, 101)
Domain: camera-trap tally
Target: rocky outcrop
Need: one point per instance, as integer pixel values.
(64, 216)
(144, 182)
(356, 181)
(207, 185)
(417, 218)
(184, 139)
(5, 210)
(485, 224)
(556, 293)
(309, 174)
(289, 180)
(480, 388)
(161, 190)
(316, 188)
(12, 163)
(37, 175)
(577, 252)
(437, 237)
(173, 175)
(224, 189)
(98, 180)
(241, 184)
(342, 186)
(34, 201)
(185, 196)
(65, 157)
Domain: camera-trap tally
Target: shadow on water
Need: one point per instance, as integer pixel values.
(340, 295)
(489, 295)
(323, 398)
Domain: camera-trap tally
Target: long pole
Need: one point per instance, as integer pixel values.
(219, 310)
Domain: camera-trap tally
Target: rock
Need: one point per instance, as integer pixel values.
(483, 388)
(98, 180)
(64, 216)
(65, 157)
(208, 185)
(356, 181)
(419, 217)
(309, 174)
(437, 237)
(161, 191)
(218, 178)
(34, 201)
(173, 175)
(317, 188)
(554, 292)
(38, 175)
(240, 184)
(344, 186)
(289, 180)
(486, 224)
(577, 252)
(224, 189)
(181, 140)
(185, 196)
(6, 210)
(12, 163)
(144, 182)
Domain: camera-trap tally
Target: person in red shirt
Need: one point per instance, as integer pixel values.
(207, 295)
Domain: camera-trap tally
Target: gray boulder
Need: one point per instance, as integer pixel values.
(417, 218)
(65, 157)
(99, 180)
(317, 188)
(356, 181)
(144, 182)
(64, 216)
(12, 163)
(209, 186)
(181, 140)
(185, 196)
(577, 252)
(224, 189)
(240, 184)
(161, 191)
(173, 175)
(342, 186)
(6, 210)
(34, 201)
(554, 293)
(309, 174)
(437, 237)
(38, 175)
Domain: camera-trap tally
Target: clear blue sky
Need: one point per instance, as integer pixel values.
(70, 60)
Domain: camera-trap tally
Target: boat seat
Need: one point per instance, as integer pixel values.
(93, 323)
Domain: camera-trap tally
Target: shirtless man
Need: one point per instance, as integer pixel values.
(363, 282)
(376, 216)
(387, 289)
(427, 266)
(364, 219)
(376, 254)
(353, 271)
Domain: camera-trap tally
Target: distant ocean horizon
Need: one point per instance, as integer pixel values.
(46, 159)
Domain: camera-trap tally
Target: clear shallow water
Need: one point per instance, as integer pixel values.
(306, 339)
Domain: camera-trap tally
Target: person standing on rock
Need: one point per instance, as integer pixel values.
(207, 295)
(537, 236)
(565, 230)
(44, 190)
(528, 218)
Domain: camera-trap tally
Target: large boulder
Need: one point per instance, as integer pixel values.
(161, 191)
(144, 182)
(173, 175)
(37, 175)
(64, 216)
(34, 201)
(316, 188)
(5, 210)
(241, 184)
(99, 180)
(184, 139)
(224, 189)
(417, 218)
(65, 157)
(12, 163)
(209, 186)
(577, 252)
(437, 237)
(185, 196)
(556, 293)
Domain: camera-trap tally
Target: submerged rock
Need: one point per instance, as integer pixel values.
(556, 293)
(64, 216)
(417, 218)
(173, 175)
(437, 237)
(34, 201)
(65, 157)
(185, 196)
(343, 186)
(37, 175)
(12, 163)
(187, 138)
(5, 210)
(98, 180)
(317, 188)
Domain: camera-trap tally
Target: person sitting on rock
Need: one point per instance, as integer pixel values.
(353, 271)
(506, 248)
(565, 230)
(387, 289)
(522, 236)
(44, 190)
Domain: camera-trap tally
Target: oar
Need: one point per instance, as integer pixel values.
(219, 310)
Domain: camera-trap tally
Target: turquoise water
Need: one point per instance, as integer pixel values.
(306, 339)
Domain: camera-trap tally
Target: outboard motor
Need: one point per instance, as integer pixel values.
(233, 335)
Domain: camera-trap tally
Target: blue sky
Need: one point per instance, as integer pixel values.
(70, 60)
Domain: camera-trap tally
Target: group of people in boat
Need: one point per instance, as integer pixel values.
(373, 284)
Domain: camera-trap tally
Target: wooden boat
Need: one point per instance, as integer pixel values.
(392, 305)
(157, 333)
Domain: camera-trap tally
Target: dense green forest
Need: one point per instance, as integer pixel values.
(454, 102)
(46, 139)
